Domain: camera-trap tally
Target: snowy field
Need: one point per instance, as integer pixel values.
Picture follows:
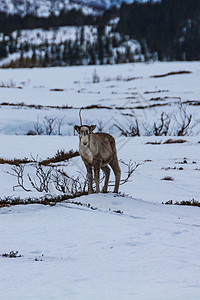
(122, 90)
(129, 246)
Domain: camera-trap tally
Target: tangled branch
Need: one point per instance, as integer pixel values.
(19, 174)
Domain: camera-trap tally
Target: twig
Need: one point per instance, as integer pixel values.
(19, 173)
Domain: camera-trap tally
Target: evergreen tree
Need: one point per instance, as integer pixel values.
(34, 57)
(82, 38)
(100, 43)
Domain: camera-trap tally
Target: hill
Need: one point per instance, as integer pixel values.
(169, 27)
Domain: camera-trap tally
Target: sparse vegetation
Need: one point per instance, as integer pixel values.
(192, 202)
(50, 126)
(159, 128)
(46, 174)
(168, 178)
(12, 254)
(171, 73)
(179, 123)
(175, 141)
(95, 77)
(174, 168)
(23, 105)
(184, 124)
(61, 155)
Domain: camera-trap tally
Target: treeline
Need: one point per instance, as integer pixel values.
(166, 29)
(105, 48)
(9, 23)
(169, 27)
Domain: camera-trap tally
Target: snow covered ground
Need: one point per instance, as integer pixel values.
(122, 90)
(149, 250)
(181, 162)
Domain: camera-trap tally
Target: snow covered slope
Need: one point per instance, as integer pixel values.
(70, 252)
(123, 92)
(109, 246)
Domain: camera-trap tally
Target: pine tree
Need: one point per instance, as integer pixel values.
(34, 57)
(82, 38)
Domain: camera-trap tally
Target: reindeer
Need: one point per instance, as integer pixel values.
(98, 150)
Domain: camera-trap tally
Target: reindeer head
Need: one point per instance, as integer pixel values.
(84, 132)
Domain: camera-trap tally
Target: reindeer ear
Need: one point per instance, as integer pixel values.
(92, 127)
(77, 128)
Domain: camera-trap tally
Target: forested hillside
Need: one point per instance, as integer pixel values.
(67, 46)
(166, 30)
(170, 27)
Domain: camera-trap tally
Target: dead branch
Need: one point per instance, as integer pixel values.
(19, 173)
(184, 125)
(68, 185)
(131, 167)
(49, 124)
(43, 175)
(160, 128)
(133, 130)
(61, 181)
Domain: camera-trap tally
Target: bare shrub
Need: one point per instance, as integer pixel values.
(131, 167)
(133, 130)
(184, 124)
(42, 178)
(18, 172)
(180, 123)
(49, 125)
(71, 186)
(68, 185)
(38, 128)
(9, 84)
(159, 128)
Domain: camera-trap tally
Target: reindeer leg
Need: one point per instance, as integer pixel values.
(97, 175)
(106, 171)
(90, 179)
(117, 171)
